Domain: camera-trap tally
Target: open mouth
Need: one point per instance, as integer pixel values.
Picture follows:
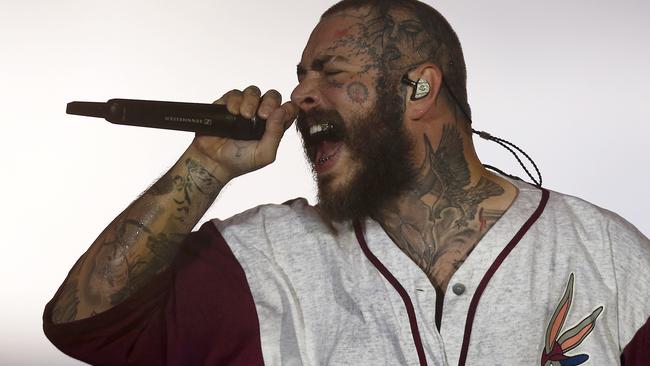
(324, 134)
(324, 142)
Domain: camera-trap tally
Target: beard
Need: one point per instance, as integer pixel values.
(380, 144)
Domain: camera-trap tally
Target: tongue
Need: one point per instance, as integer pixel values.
(327, 149)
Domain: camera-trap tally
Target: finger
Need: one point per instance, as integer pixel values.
(277, 127)
(270, 101)
(268, 145)
(232, 100)
(221, 100)
(250, 101)
(224, 98)
(291, 112)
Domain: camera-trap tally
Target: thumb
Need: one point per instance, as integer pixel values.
(277, 123)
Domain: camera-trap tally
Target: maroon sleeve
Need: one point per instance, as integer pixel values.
(200, 312)
(637, 352)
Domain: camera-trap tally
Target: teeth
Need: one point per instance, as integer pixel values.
(319, 128)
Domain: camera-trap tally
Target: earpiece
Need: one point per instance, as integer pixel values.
(421, 88)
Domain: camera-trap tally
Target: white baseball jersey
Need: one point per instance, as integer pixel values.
(555, 281)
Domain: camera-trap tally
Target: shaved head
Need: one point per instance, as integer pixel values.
(404, 34)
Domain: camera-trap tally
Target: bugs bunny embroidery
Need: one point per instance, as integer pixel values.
(554, 352)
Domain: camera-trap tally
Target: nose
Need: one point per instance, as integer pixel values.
(306, 95)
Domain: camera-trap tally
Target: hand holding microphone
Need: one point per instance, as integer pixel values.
(240, 132)
(237, 156)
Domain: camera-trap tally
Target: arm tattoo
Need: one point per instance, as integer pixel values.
(162, 249)
(66, 308)
(198, 178)
(139, 244)
(205, 182)
(163, 186)
(123, 271)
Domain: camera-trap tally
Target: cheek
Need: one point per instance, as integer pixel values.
(354, 99)
(357, 92)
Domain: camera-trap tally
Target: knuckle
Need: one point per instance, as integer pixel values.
(227, 96)
(272, 93)
(233, 92)
(253, 90)
(232, 96)
(250, 98)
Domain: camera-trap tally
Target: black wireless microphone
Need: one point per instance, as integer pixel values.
(204, 119)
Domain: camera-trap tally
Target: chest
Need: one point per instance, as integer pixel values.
(439, 250)
(330, 303)
(337, 316)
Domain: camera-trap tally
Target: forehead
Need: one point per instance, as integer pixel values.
(334, 35)
(366, 36)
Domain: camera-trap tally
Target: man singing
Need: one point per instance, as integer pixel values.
(414, 255)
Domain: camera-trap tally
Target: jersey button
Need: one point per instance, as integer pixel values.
(458, 289)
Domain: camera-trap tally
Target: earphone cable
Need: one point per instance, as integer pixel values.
(504, 143)
(507, 145)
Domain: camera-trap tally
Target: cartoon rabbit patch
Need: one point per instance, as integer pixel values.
(554, 353)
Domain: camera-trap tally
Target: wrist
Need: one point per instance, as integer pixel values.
(218, 170)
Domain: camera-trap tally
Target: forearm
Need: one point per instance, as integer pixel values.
(142, 241)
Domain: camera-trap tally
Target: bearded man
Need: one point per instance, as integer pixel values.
(415, 253)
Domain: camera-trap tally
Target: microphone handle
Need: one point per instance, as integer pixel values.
(204, 119)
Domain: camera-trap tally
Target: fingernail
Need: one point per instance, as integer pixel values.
(264, 112)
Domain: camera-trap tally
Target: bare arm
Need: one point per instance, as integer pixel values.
(142, 241)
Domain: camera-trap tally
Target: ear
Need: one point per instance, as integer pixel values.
(430, 73)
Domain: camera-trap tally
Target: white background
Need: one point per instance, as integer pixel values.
(565, 80)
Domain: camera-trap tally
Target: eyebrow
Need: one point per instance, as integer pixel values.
(319, 63)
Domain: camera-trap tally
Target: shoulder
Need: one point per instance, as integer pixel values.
(567, 213)
(272, 224)
(602, 234)
(579, 226)
(628, 247)
(578, 210)
(268, 214)
(593, 220)
(595, 240)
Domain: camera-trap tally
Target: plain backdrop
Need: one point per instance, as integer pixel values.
(565, 80)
